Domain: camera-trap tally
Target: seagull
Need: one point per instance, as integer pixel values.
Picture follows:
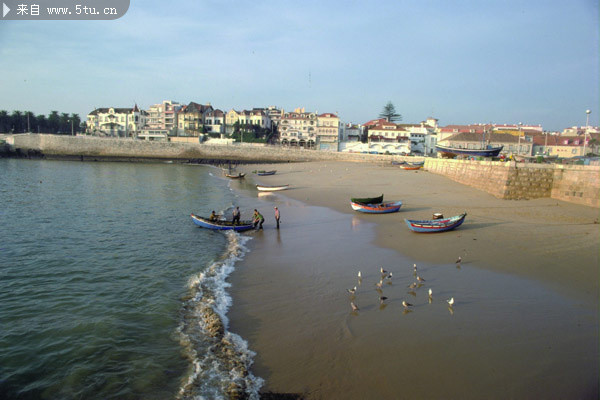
(382, 299)
(415, 267)
(389, 276)
(354, 306)
(451, 301)
(412, 285)
(430, 293)
(420, 279)
(353, 290)
(383, 271)
(359, 275)
(459, 260)
(405, 304)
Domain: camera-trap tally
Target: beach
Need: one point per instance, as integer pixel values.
(525, 319)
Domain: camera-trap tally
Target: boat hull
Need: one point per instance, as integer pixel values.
(381, 208)
(238, 176)
(491, 152)
(265, 173)
(263, 188)
(367, 200)
(435, 225)
(221, 225)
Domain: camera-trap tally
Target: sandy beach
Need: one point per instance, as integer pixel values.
(525, 320)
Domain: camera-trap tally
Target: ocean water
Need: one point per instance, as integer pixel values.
(107, 288)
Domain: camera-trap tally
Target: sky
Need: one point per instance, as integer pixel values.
(493, 61)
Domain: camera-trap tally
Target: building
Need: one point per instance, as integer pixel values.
(191, 119)
(298, 128)
(214, 121)
(328, 131)
(388, 137)
(565, 146)
(119, 122)
(162, 118)
(351, 133)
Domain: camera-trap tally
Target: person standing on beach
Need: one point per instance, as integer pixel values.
(258, 220)
(236, 216)
(277, 216)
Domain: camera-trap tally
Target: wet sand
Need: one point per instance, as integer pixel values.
(525, 321)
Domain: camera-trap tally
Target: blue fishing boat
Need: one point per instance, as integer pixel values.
(381, 208)
(488, 151)
(435, 225)
(220, 225)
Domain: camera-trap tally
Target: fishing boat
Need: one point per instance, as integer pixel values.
(265, 173)
(367, 200)
(264, 188)
(488, 151)
(411, 167)
(236, 176)
(381, 208)
(221, 225)
(435, 225)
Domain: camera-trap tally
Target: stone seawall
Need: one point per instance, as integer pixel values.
(516, 181)
(87, 147)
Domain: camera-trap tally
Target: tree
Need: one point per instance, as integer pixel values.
(389, 113)
(4, 121)
(53, 122)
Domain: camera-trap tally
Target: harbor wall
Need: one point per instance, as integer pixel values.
(88, 147)
(520, 181)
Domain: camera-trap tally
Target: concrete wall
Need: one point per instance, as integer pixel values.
(513, 181)
(577, 184)
(88, 147)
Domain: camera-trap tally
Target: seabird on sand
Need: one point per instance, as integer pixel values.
(383, 271)
(382, 299)
(359, 275)
(420, 279)
(354, 306)
(379, 284)
(412, 285)
(430, 293)
(405, 304)
(459, 260)
(451, 301)
(353, 290)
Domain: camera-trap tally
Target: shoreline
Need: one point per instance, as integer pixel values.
(291, 305)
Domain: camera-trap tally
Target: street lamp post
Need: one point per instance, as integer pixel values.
(587, 123)
(519, 141)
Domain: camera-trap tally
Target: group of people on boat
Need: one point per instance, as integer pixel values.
(257, 218)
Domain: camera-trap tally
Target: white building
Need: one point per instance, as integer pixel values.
(119, 122)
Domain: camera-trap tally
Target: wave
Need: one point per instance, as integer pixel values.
(220, 361)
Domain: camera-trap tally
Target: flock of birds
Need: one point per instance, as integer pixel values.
(386, 278)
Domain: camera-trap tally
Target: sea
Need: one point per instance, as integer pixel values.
(107, 288)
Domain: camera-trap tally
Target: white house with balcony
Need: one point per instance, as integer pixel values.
(118, 122)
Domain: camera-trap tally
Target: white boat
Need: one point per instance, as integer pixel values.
(264, 188)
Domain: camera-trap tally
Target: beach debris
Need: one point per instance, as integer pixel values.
(354, 306)
(413, 293)
(405, 304)
(382, 299)
(352, 291)
(450, 301)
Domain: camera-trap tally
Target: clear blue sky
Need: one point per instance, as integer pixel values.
(499, 61)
